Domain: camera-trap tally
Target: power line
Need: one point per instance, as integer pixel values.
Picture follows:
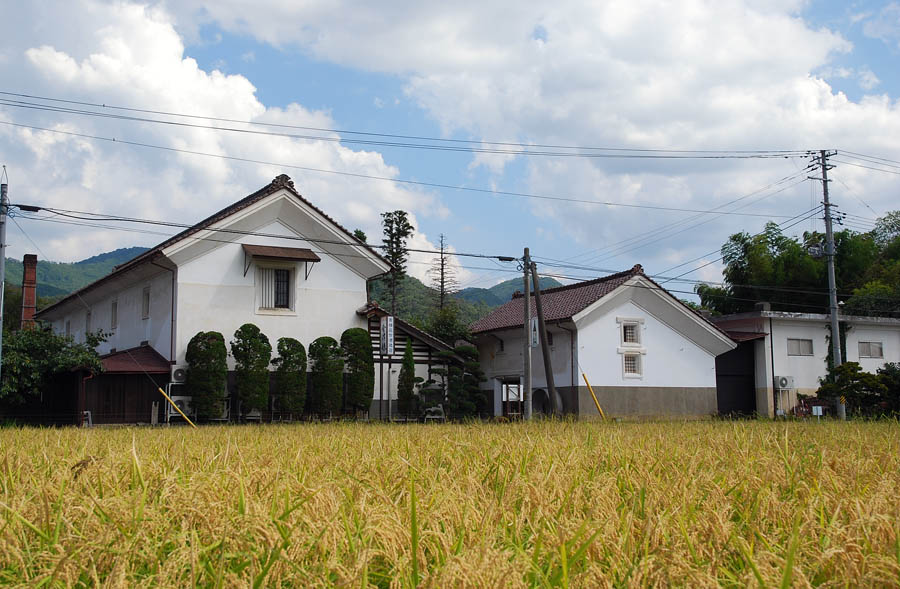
(683, 153)
(866, 167)
(387, 179)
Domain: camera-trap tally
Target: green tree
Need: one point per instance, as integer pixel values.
(252, 354)
(32, 357)
(446, 325)
(407, 401)
(207, 372)
(864, 391)
(889, 375)
(290, 375)
(356, 345)
(465, 398)
(360, 235)
(397, 230)
(326, 376)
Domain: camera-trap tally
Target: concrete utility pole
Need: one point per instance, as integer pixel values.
(526, 340)
(832, 284)
(545, 347)
(4, 206)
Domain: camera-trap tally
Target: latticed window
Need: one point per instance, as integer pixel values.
(274, 288)
(632, 363)
(630, 333)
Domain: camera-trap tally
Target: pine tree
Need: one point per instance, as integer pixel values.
(397, 230)
(406, 398)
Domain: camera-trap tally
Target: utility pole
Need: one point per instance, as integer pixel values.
(4, 206)
(526, 340)
(545, 347)
(832, 284)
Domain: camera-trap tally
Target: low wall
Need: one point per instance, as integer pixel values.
(643, 401)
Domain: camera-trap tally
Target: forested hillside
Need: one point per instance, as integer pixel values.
(59, 278)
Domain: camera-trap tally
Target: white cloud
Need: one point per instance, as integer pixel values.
(867, 79)
(132, 55)
(886, 25)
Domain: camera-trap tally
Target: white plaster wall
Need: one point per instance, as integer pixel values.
(671, 360)
(214, 294)
(132, 329)
(806, 370)
(890, 343)
(509, 362)
(390, 385)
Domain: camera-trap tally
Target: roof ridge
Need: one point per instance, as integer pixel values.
(634, 270)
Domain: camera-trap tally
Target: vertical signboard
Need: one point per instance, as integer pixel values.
(387, 336)
(535, 338)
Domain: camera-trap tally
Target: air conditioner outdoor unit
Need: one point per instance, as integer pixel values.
(784, 382)
(179, 373)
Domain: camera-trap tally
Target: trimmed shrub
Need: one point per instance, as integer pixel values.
(207, 372)
(252, 354)
(290, 376)
(407, 401)
(360, 365)
(326, 375)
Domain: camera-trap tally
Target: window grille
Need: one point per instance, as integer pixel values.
(632, 363)
(274, 288)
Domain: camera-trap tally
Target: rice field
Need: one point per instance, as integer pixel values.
(481, 505)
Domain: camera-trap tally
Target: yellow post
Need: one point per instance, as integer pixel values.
(596, 402)
(178, 409)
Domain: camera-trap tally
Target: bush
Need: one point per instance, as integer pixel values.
(252, 354)
(407, 401)
(889, 375)
(864, 391)
(360, 365)
(290, 376)
(207, 372)
(326, 376)
(32, 357)
(465, 398)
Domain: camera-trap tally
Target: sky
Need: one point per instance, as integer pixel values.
(692, 76)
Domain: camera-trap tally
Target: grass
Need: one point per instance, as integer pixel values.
(543, 504)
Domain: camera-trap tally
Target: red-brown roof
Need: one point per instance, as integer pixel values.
(281, 181)
(560, 303)
(281, 253)
(135, 361)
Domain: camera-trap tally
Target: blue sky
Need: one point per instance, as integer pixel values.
(703, 75)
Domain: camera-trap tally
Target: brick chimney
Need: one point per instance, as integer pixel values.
(29, 286)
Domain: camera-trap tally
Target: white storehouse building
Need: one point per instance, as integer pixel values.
(272, 259)
(644, 352)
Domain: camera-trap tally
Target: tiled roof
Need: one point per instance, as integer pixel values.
(559, 303)
(373, 308)
(281, 181)
(135, 361)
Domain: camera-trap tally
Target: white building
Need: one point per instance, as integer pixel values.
(643, 351)
(272, 259)
(782, 354)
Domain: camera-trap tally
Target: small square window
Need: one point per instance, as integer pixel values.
(871, 350)
(799, 347)
(145, 303)
(632, 364)
(630, 333)
(87, 322)
(114, 315)
(549, 338)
